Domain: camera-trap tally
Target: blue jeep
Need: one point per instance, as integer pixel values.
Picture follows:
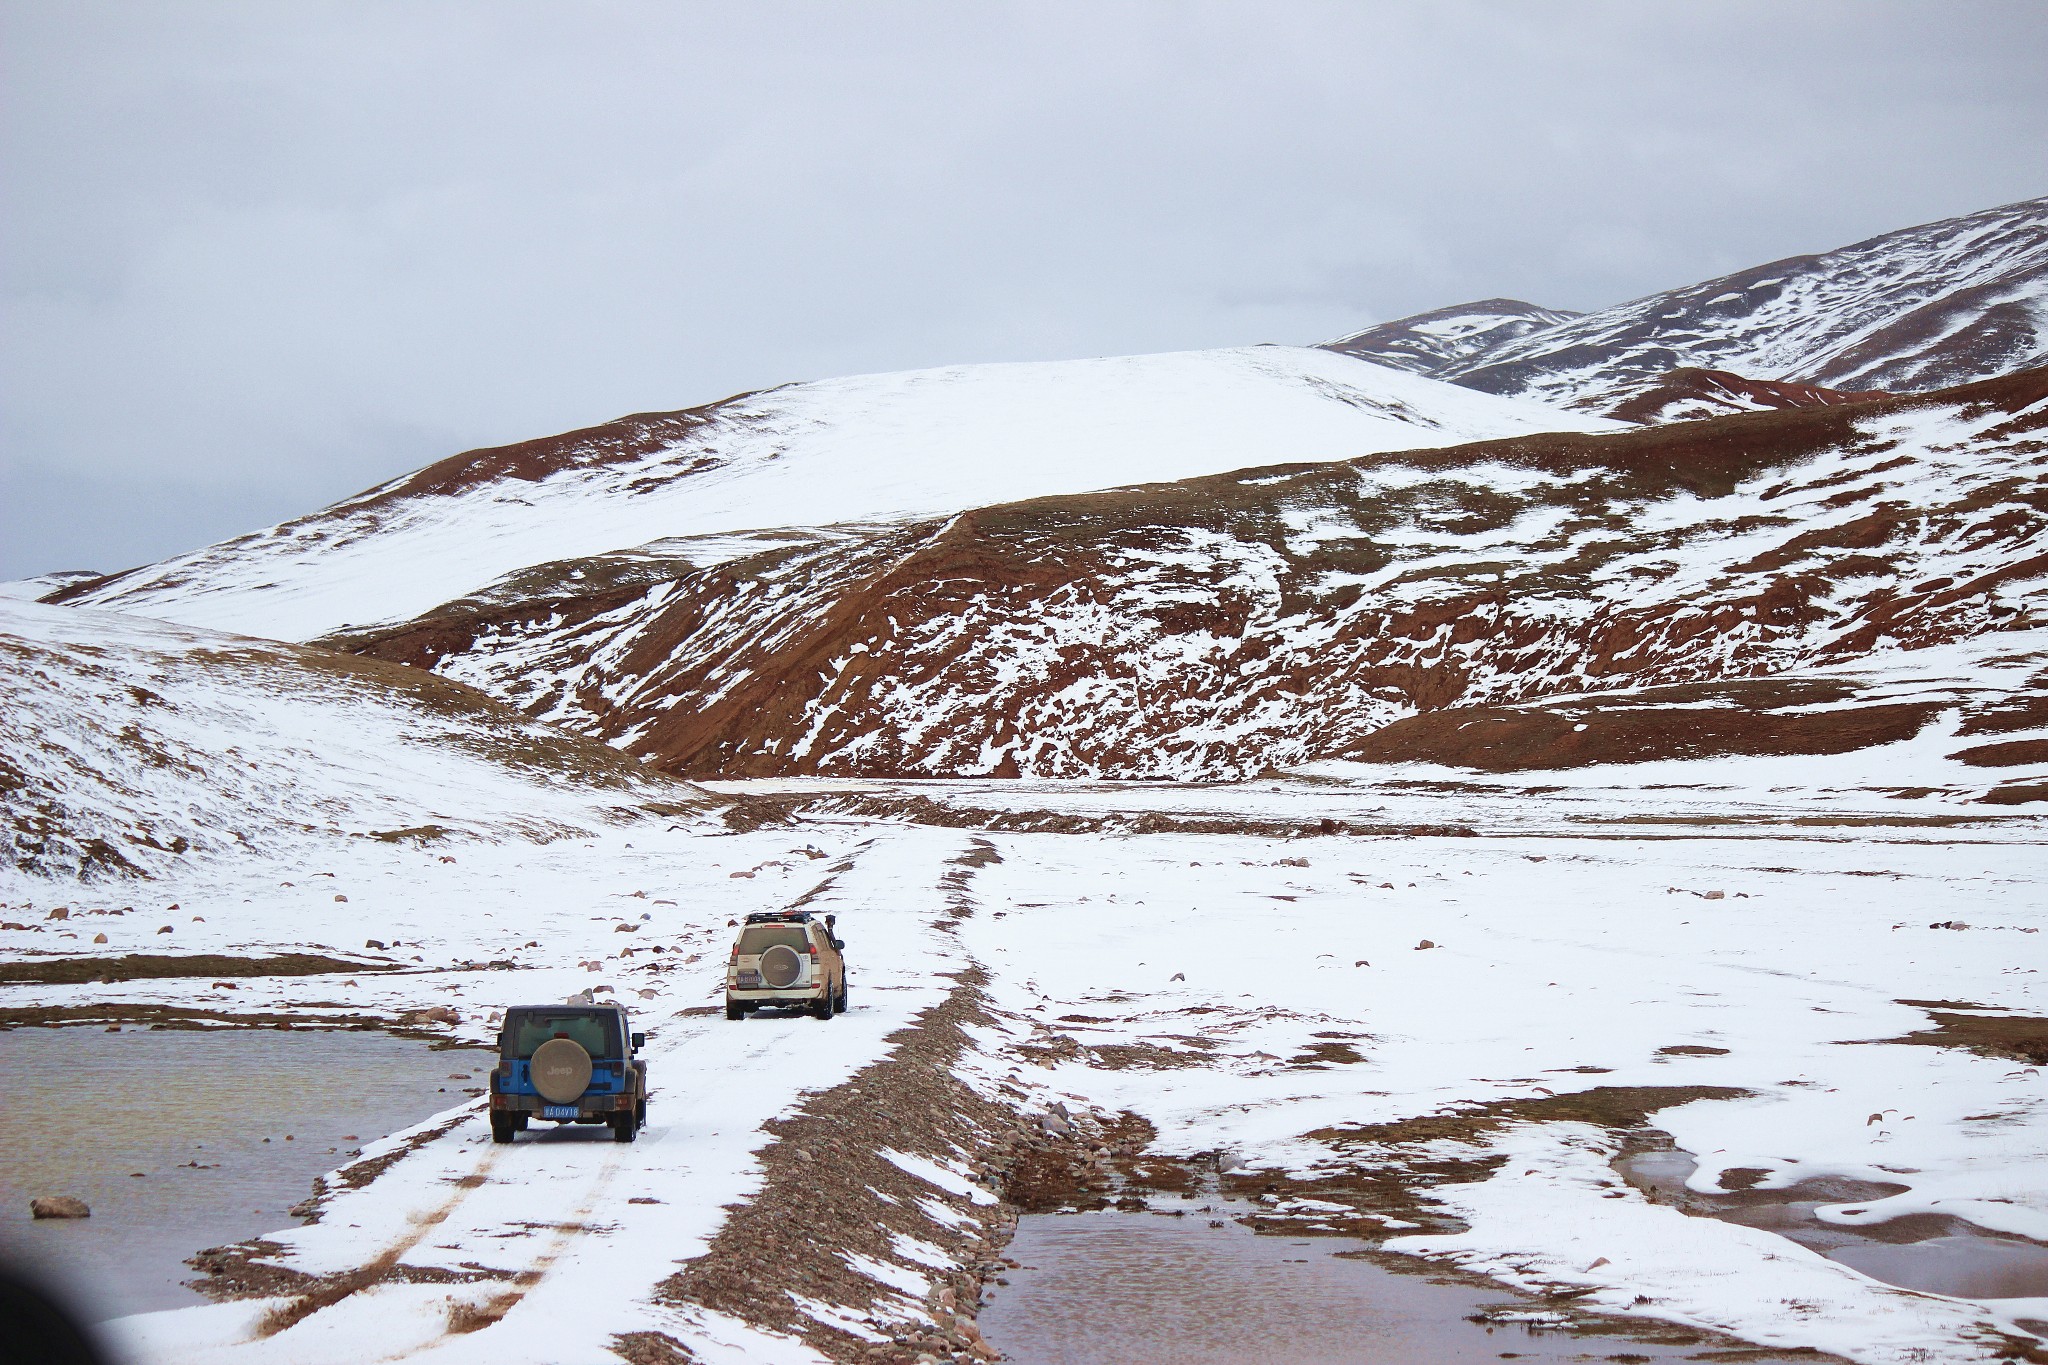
(568, 1064)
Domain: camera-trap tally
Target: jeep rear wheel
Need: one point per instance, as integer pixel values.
(735, 1010)
(821, 1008)
(503, 1126)
(839, 1001)
(625, 1128)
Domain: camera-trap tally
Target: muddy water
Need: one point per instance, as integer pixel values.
(1149, 1289)
(186, 1139)
(1932, 1255)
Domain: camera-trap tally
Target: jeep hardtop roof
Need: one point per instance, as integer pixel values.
(780, 917)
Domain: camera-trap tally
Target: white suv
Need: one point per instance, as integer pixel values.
(787, 958)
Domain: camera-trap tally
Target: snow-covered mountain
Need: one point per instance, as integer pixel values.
(1430, 343)
(1918, 309)
(1215, 627)
(868, 448)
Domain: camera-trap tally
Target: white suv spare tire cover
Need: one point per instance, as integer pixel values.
(560, 1070)
(780, 966)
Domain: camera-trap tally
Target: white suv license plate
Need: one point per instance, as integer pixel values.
(558, 1111)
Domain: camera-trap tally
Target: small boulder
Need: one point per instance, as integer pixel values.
(167, 929)
(61, 912)
(58, 1206)
(99, 938)
(1426, 943)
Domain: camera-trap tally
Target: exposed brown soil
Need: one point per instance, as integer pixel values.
(2017, 1036)
(1646, 725)
(122, 1013)
(152, 966)
(1691, 392)
(2008, 754)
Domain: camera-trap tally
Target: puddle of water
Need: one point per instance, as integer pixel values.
(1966, 1267)
(1931, 1255)
(83, 1111)
(1148, 1289)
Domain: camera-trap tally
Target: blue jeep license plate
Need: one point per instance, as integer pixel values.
(558, 1111)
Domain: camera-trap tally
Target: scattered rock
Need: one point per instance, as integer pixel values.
(167, 929)
(378, 943)
(1426, 943)
(99, 938)
(340, 899)
(58, 1206)
(61, 912)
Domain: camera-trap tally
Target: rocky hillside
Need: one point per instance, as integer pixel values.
(1914, 310)
(1212, 628)
(869, 448)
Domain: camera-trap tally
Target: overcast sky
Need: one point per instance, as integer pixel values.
(259, 256)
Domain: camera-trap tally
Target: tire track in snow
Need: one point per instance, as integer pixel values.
(466, 1318)
(339, 1287)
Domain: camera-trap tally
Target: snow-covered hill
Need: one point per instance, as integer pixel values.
(1923, 308)
(1914, 310)
(1213, 628)
(133, 746)
(1429, 343)
(868, 448)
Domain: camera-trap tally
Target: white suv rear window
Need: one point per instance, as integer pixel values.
(759, 938)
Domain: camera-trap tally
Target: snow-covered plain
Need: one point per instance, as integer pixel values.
(1600, 925)
(866, 448)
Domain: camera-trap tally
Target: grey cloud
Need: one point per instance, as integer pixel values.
(266, 255)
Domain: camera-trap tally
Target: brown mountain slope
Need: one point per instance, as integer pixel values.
(1218, 626)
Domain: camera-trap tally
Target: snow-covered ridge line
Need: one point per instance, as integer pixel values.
(1914, 310)
(1922, 308)
(865, 448)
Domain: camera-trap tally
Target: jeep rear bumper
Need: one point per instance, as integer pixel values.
(606, 1105)
(770, 996)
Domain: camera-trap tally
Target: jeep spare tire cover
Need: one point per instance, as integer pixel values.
(780, 966)
(561, 1070)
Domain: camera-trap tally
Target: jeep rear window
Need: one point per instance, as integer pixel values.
(597, 1034)
(759, 938)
